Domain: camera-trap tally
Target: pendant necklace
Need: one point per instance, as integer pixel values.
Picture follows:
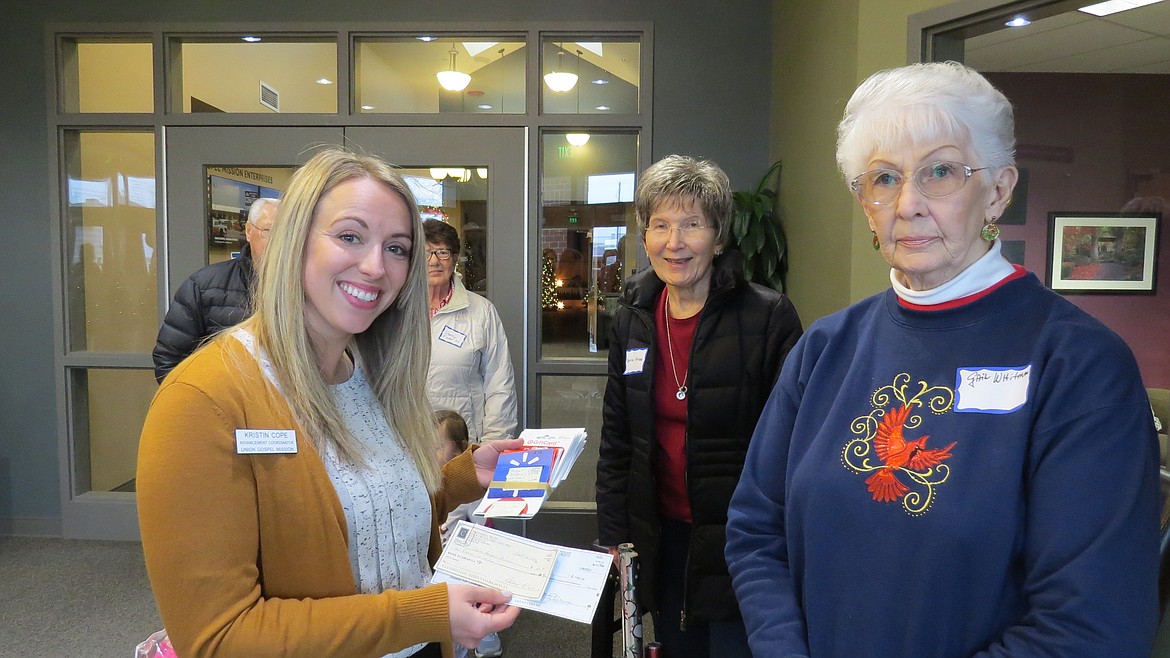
(682, 388)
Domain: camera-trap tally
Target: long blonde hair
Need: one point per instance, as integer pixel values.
(394, 351)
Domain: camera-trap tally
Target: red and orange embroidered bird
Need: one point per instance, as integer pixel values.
(898, 453)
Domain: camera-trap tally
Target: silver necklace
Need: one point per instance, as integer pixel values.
(682, 388)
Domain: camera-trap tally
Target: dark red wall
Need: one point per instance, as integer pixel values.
(1090, 143)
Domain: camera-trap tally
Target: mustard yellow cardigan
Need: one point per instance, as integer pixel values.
(248, 554)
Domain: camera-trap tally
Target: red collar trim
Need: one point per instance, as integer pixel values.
(962, 301)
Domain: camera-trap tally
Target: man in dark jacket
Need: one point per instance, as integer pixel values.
(214, 297)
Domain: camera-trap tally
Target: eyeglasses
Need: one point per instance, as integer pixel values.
(878, 187)
(690, 229)
(441, 254)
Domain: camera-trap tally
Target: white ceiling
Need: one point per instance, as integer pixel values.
(1134, 41)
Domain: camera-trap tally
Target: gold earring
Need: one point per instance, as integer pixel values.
(990, 231)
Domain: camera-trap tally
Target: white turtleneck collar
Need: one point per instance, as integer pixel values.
(979, 276)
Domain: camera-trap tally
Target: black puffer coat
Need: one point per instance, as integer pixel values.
(211, 299)
(744, 332)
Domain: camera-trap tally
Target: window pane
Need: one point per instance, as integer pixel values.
(588, 239)
(399, 74)
(110, 407)
(265, 76)
(107, 76)
(591, 77)
(457, 195)
(110, 241)
(575, 401)
(232, 190)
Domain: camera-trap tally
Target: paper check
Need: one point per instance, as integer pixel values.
(492, 558)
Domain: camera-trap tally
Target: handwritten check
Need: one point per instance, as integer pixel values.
(573, 590)
(491, 558)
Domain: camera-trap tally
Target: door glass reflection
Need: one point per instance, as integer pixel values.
(588, 239)
(110, 241)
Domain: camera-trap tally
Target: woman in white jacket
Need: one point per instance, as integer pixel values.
(471, 371)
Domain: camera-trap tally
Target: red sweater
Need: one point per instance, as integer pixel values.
(670, 413)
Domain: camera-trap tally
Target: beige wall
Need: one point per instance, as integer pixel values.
(822, 50)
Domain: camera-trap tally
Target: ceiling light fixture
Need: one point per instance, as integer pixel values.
(367, 107)
(600, 81)
(425, 38)
(251, 39)
(577, 139)
(482, 171)
(601, 108)
(559, 79)
(484, 106)
(324, 81)
(1018, 21)
(453, 80)
(1114, 6)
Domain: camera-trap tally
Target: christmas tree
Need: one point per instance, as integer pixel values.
(548, 284)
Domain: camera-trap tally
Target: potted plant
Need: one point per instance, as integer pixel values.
(757, 231)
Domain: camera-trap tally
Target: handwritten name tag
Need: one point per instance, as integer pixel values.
(991, 390)
(635, 360)
(266, 442)
(452, 336)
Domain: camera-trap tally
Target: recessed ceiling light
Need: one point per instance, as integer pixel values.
(251, 39)
(602, 107)
(425, 38)
(1018, 21)
(324, 81)
(485, 106)
(1114, 6)
(600, 81)
(367, 107)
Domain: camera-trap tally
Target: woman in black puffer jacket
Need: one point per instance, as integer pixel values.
(694, 354)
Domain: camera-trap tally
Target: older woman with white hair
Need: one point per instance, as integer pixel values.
(964, 464)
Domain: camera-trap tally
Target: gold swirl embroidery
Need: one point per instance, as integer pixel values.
(899, 399)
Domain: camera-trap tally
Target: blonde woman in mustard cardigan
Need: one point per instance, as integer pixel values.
(288, 487)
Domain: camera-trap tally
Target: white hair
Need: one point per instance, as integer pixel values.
(923, 104)
(258, 207)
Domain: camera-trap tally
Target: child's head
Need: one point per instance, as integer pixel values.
(453, 436)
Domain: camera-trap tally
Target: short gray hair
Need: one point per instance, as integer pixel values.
(921, 103)
(679, 179)
(258, 207)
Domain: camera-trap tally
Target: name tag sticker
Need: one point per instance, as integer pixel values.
(991, 390)
(452, 336)
(266, 442)
(635, 360)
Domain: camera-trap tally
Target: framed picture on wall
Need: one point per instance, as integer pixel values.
(1102, 252)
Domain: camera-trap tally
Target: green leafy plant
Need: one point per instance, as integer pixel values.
(757, 231)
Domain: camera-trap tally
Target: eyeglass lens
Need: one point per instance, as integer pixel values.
(685, 231)
(441, 254)
(934, 180)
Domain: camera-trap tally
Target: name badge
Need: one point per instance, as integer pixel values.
(452, 336)
(635, 360)
(991, 390)
(266, 442)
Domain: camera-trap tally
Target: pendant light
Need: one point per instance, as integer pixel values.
(453, 80)
(578, 139)
(560, 79)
